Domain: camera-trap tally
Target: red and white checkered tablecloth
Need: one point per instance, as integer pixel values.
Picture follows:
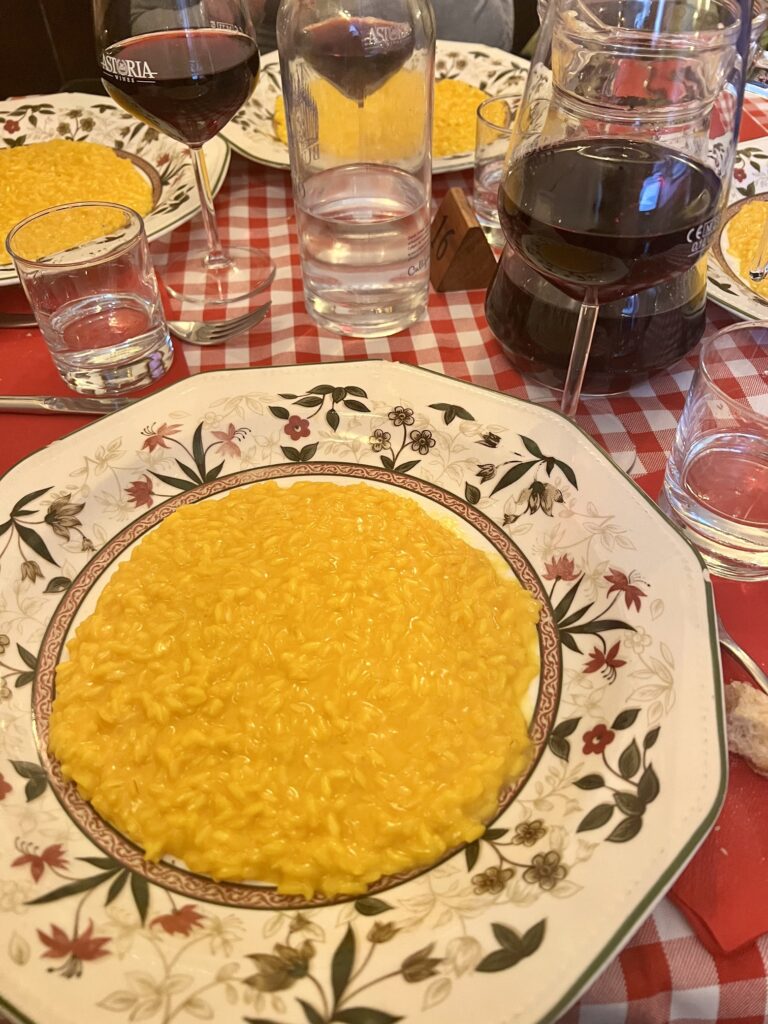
(664, 974)
(255, 203)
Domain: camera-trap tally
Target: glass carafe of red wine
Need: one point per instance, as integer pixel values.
(620, 163)
(185, 67)
(635, 336)
(358, 79)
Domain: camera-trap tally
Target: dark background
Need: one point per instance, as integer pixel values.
(47, 45)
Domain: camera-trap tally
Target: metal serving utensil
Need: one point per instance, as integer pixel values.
(744, 659)
(760, 267)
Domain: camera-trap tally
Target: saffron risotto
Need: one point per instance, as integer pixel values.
(313, 686)
(743, 239)
(39, 175)
(453, 124)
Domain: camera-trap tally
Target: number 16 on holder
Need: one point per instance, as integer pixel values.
(461, 257)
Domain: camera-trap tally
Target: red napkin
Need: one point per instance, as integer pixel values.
(26, 368)
(724, 890)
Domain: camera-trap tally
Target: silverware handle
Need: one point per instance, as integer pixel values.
(25, 403)
(62, 404)
(746, 661)
(17, 320)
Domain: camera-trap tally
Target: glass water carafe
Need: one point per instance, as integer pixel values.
(358, 82)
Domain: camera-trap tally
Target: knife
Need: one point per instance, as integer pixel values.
(56, 404)
(17, 320)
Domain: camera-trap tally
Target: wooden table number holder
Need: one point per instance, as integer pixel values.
(461, 257)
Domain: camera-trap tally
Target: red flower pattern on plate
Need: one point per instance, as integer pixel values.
(76, 949)
(226, 440)
(140, 492)
(560, 568)
(597, 739)
(11, 127)
(5, 787)
(607, 661)
(180, 922)
(623, 584)
(156, 437)
(296, 427)
(51, 857)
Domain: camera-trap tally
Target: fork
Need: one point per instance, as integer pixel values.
(212, 332)
(744, 659)
(215, 332)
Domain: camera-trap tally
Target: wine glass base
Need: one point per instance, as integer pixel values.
(194, 279)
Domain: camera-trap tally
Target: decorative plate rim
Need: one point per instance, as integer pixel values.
(217, 152)
(649, 891)
(440, 165)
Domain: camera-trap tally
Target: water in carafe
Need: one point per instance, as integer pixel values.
(358, 81)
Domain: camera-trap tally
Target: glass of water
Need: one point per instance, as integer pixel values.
(87, 273)
(495, 120)
(358, 79)
(716, 483)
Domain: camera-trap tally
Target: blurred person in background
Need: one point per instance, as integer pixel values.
(152, 15)
(472, 21)
(476, 21)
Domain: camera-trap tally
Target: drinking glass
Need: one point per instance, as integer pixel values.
(716, 483)
(493, 132)
(622, 149)
(86, 270)
(186, 67)
(358, 78)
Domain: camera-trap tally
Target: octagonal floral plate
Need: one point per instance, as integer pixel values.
(627, 724)
(82, 117)
(496, 72)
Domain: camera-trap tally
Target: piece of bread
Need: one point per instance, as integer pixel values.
(747, 718)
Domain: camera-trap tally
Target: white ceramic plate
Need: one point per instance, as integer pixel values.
(250, 132)
(98, 119)
(628, 728)
(750, 183)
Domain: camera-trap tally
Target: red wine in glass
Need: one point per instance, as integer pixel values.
(186, 67)
(186, 84)
(358, 55)
(608, 217)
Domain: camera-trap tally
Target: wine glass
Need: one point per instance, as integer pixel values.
(186, 67)
(620, 162)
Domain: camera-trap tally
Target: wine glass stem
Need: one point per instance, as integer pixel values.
(582, 343)
(216, 256)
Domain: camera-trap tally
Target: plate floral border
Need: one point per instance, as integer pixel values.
(600, 818)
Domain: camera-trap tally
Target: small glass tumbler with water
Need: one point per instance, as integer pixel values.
(716, 483)
(87, 273)
(494, 127)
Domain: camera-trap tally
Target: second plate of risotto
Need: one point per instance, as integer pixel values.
(75, 147)
(736, 246)
(465, 75)
(340, 693)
